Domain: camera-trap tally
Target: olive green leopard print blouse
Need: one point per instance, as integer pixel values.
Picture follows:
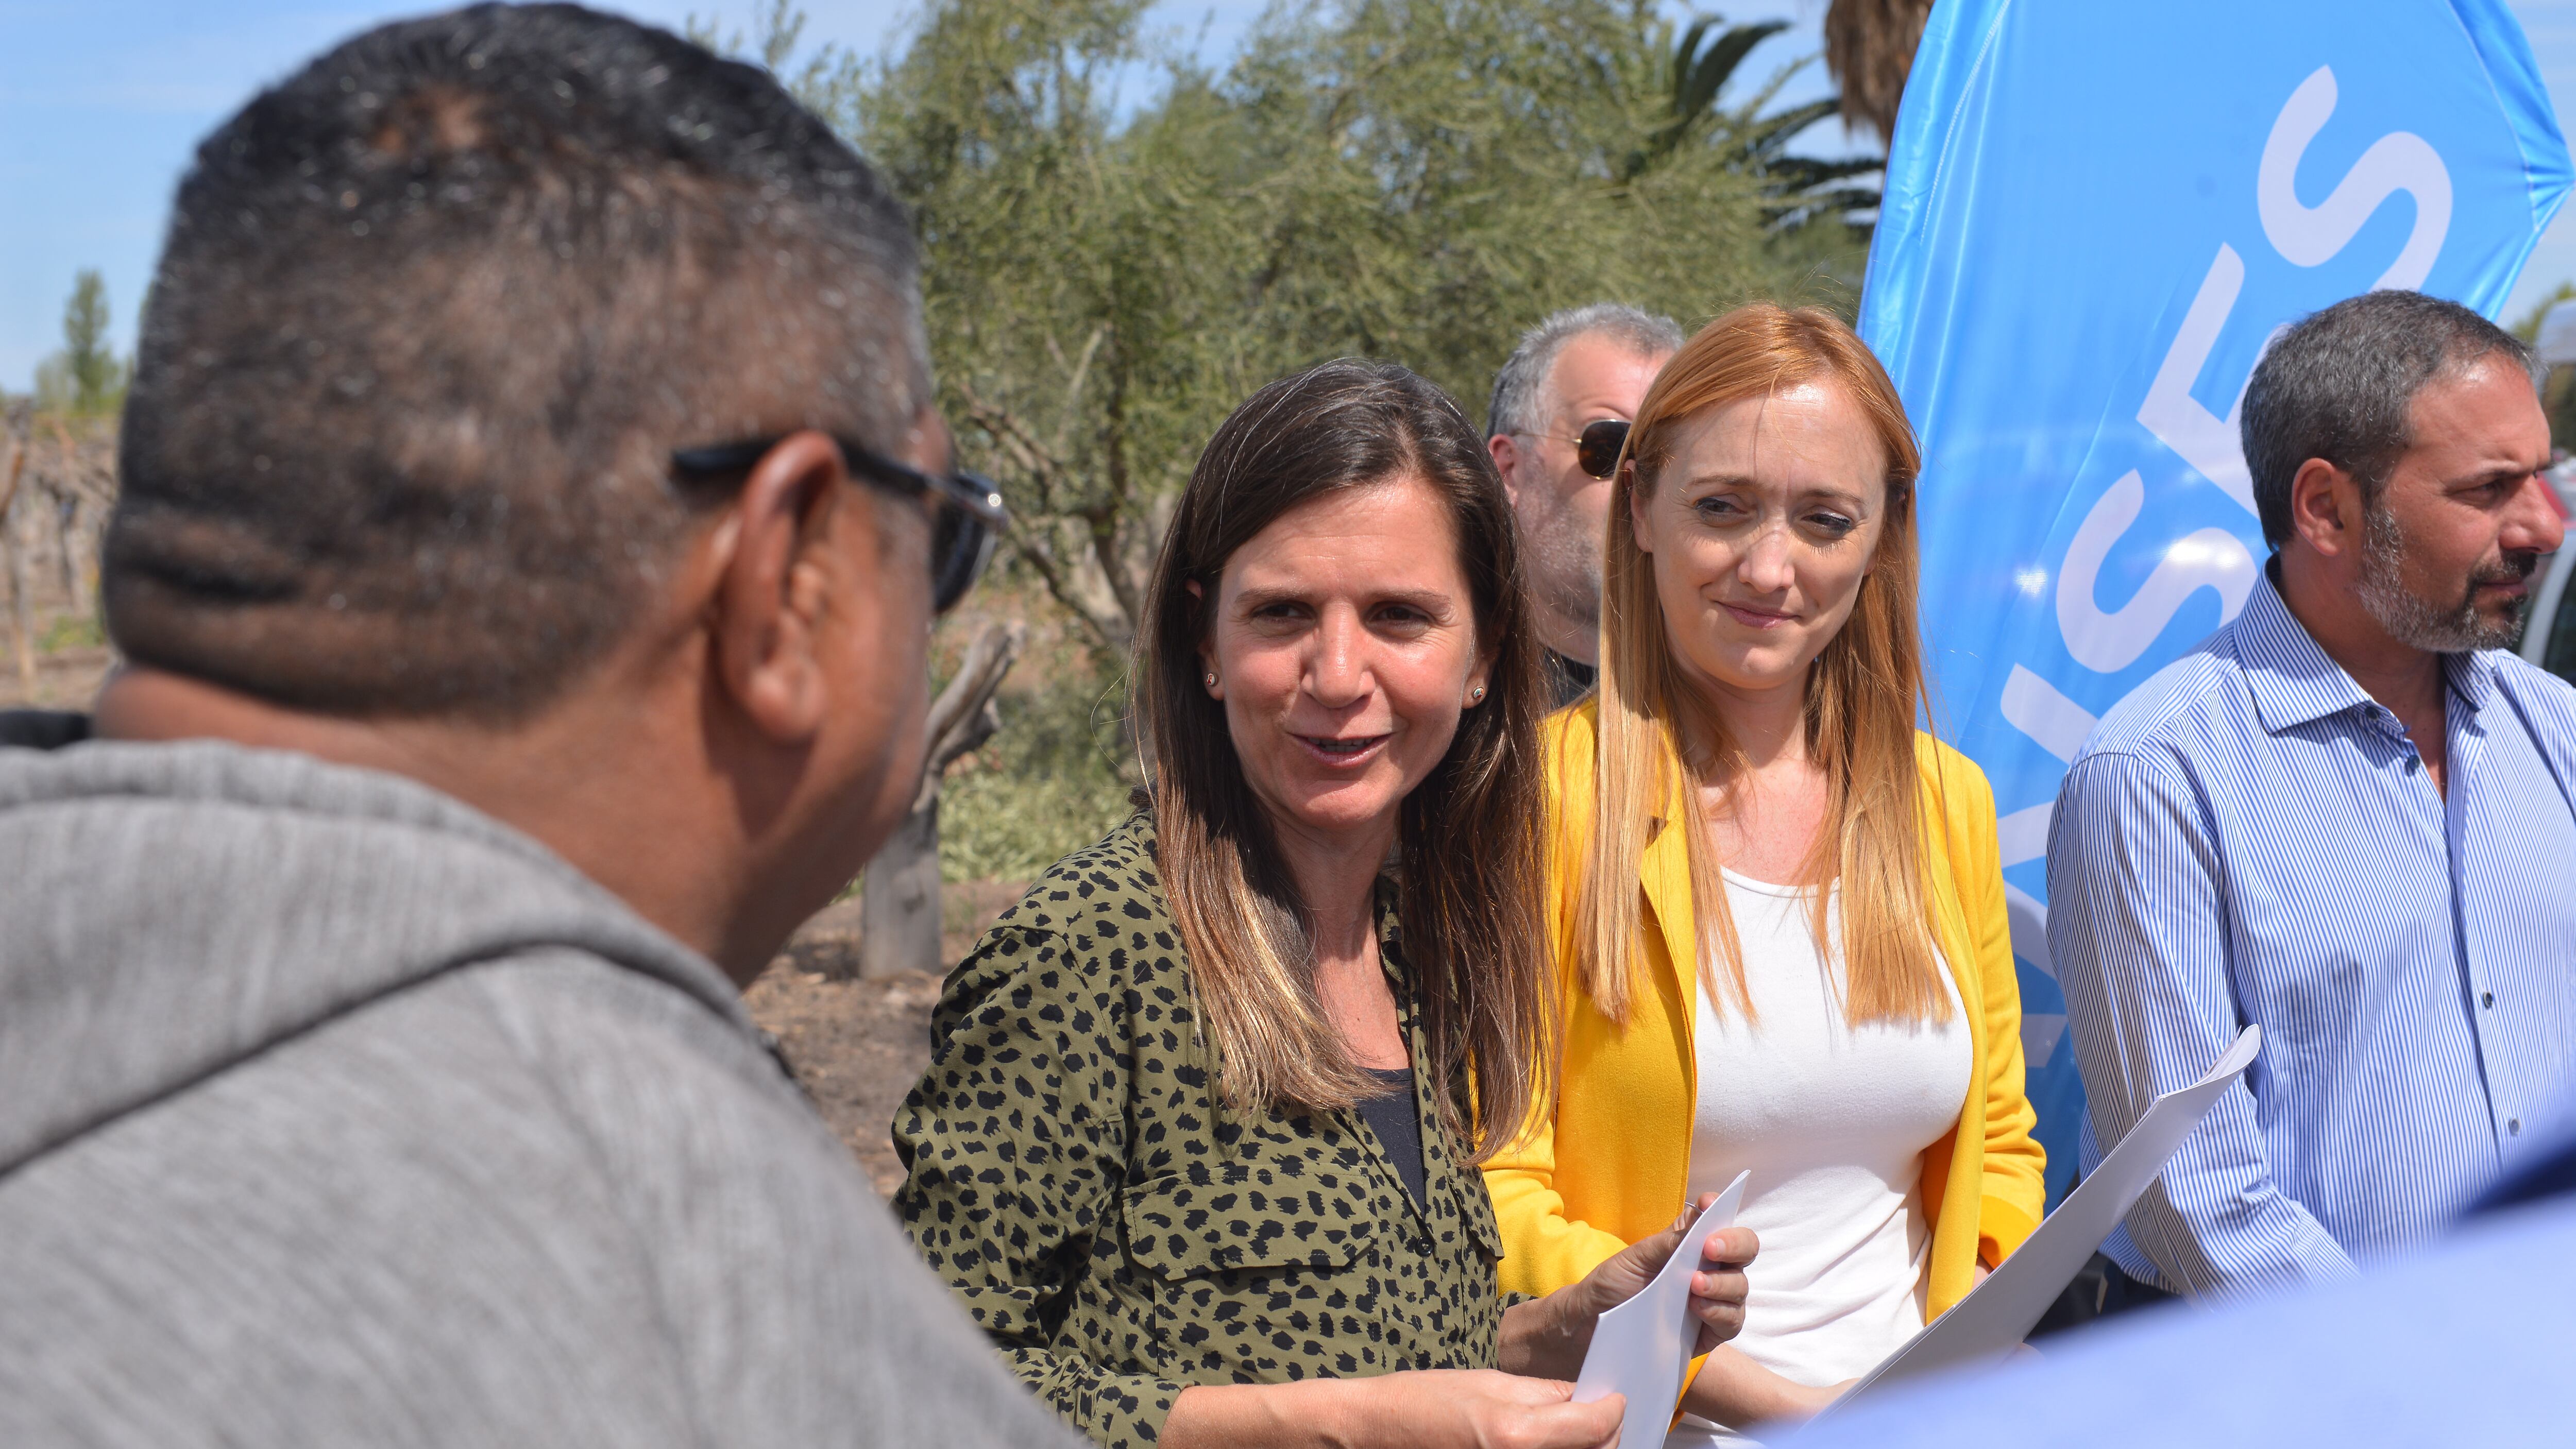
(1118, 1232)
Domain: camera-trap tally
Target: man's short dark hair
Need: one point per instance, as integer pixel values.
(431, 316)
(2339, 383)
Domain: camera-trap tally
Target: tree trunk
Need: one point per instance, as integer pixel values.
(67, 512)
(9, 570)
(22, 593)
(899, 916)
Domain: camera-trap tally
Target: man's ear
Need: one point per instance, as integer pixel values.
(2325, 508)
(771, 590)
(1505, 450)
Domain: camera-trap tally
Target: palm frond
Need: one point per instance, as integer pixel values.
(1751, 138)
(1776, 130)
(1698, 80)
(1799, 173)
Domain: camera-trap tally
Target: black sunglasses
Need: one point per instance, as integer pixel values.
(966, 511)
(1596, 448)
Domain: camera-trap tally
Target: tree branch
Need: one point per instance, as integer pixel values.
(1111, 621)
(1073, 389)
(18, 452)
(963, 717)
(1104, 518)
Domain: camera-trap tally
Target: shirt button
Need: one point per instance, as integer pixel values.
(2514, 1127)
(2486, 999)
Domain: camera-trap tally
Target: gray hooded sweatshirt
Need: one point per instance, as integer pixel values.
(334, 1112)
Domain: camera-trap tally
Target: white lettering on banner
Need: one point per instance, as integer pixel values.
(2037, 709)
(2023, 835)
(2304, 236)
(2205, 441)
(2211, 558)
(2106, 642)
(2029, 922)
(2399, 161)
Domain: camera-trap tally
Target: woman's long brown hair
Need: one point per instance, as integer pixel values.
(1864, 695)
(1468, 862)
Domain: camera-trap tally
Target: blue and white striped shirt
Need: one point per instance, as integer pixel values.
(2251, 838)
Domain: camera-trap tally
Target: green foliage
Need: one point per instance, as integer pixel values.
(2528, 329)
(2558, 389)
(1107, 273)
(1048, 784)
(85, 378)
(1810, 207)
(1797, 190)
(2558, 404)
(1120, 244)
(773, 41)
(72, 631)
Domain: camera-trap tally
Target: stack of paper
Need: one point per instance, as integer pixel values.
(1991, 1321)
(1642, 1348)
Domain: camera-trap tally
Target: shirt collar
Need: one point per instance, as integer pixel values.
(2471, 677)
(2295, 681)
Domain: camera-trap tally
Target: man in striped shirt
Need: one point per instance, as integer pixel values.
(2347, 817)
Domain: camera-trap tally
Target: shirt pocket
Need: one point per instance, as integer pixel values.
(1235, 1219)
(1245, 1275)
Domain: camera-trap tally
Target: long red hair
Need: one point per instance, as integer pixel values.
(1864, 694)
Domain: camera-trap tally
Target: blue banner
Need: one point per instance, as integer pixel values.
(2096, 215)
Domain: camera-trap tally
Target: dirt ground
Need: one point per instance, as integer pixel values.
(859, 1044)
(65, 661)
(66, 677)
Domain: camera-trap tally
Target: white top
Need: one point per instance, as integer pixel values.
(1832, 1122)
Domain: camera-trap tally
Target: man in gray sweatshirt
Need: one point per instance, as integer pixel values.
(533, 513)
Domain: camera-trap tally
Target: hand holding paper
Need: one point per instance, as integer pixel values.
(1643, 1347)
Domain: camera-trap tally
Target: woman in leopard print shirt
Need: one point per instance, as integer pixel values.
(1197, 1146)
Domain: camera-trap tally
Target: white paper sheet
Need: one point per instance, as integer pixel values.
(1993, 1319)
(1643, 1347)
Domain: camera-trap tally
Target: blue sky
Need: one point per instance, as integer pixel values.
(101, 102)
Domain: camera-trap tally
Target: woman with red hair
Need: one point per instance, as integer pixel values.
(1777, 905)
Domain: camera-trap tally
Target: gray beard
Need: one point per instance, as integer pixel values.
(2417, 622)
(1565, 566)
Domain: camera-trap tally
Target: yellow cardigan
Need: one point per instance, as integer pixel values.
(1611, 1165)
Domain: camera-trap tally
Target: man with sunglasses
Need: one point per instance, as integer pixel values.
(1561, 408)
(532, 517)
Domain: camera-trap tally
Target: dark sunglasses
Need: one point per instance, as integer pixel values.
(1596, 448)
(966, 511)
